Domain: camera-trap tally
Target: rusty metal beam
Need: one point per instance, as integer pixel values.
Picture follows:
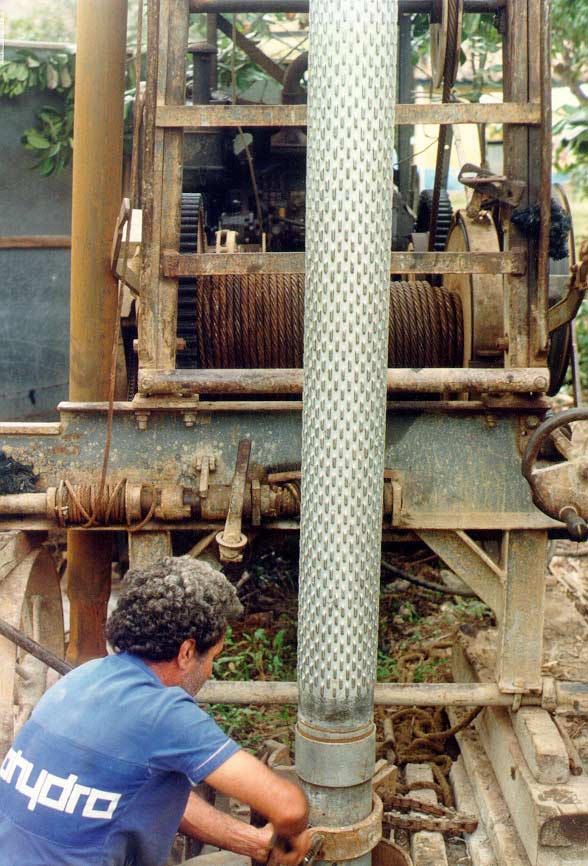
(275, 381)
(195, 116)
(197, 264)
(251, 50)
(406, 6)
(97, 190)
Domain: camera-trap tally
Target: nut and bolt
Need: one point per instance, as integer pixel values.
(142, 419)
(540, 383)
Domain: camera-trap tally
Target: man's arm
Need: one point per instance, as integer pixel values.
(202, 821)
(282, 802)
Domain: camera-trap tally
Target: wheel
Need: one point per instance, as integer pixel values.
(30, 600)
(482, 295)
(560, 490)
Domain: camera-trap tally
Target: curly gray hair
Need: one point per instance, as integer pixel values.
(168, 602)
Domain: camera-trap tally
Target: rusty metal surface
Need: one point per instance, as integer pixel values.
(469, 479)
(291, 381)
(561, 489)
(482, 295)
(541, 139)
(193, 264)
(96, 198)
(355, 840)
(405, 6)
(231, 540)
(194, 116)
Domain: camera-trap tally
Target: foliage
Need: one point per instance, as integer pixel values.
(51, 140)
(259, 655)
(572, 152)
(50, 22)
(569, 37)
(480, 42)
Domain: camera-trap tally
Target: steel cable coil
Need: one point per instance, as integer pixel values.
(247, 321)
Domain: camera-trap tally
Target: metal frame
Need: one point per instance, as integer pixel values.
(495, 423)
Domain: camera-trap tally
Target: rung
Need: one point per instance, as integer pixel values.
(198, 264)
(195, 116)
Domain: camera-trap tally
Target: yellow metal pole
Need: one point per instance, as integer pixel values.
(97, 190)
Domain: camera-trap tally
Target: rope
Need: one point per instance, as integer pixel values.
(87, 505)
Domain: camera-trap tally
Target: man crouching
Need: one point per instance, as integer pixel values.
(102, 772)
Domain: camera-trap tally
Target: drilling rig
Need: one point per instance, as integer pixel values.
(302, 353)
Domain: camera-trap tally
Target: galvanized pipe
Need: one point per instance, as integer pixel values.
(96, 198)
(352, 66)
(570, 697)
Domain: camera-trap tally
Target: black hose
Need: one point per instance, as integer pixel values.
(435, 587)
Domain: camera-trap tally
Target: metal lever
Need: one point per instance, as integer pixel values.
(231, 540)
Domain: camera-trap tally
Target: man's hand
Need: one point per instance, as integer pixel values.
(290, 851)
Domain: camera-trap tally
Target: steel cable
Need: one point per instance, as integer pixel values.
(257, 321)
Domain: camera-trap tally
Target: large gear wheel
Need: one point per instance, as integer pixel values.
(444, 219)
(192, 215)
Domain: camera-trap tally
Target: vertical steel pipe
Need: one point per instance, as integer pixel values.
(352, 74)
(96, 199)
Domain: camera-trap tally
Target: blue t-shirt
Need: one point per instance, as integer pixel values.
(100, 774)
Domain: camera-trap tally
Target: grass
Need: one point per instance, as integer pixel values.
(409, 622)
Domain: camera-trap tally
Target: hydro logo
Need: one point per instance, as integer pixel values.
(55, 792)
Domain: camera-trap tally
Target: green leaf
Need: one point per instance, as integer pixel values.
(35, 140)
(52, 77)
(45, 167)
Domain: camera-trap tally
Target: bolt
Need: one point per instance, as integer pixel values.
(189, 419)
(540, 383)
(532, 421)
(491, 421)
(142, 419)
(146, 383)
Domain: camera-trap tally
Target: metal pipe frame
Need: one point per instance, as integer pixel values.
(530, 380)
(570, 697)
(96, 197)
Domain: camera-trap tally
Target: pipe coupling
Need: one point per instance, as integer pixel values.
(335, 759)
(353, 841)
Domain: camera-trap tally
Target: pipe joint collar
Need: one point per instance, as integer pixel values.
(332, 759)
